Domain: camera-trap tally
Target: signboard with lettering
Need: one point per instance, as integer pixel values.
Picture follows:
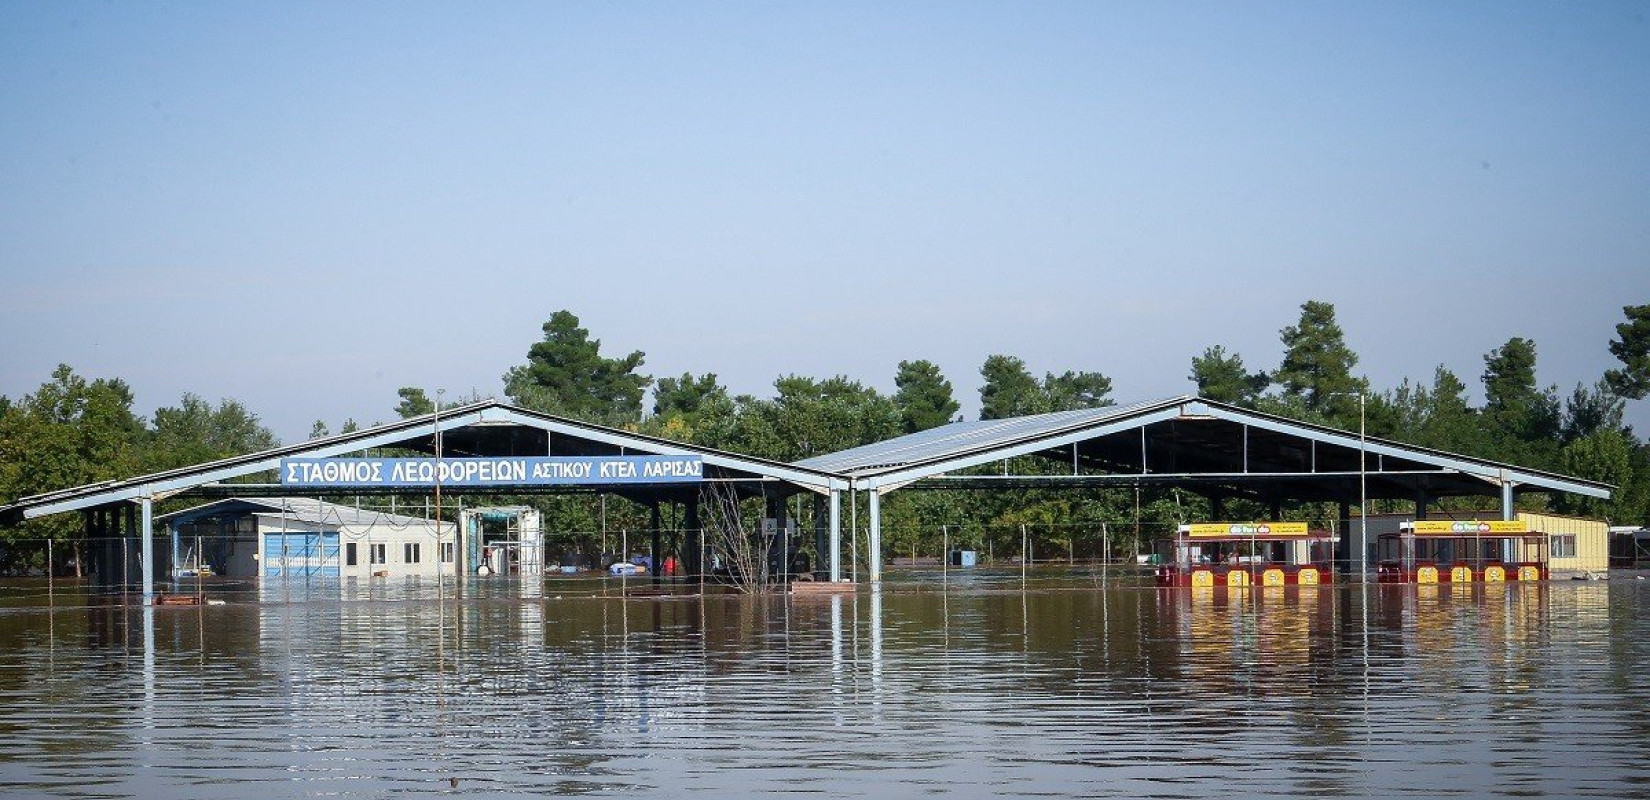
(1468, 527)
(502, 472)
(1210, 529)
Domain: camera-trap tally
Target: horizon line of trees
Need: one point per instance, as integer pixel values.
(73, 431)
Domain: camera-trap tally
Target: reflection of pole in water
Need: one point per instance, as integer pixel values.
(1363, 591)
(876, 647)
(148, 668)
(836, 656)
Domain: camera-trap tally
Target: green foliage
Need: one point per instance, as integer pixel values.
(193, 432)
(923, 396)
(1223, 378)
(1632, 347)
(1605, 456)
(1317, 365)
(1071, 391)
(566, 374)
(694, 410)
(414, 403)
(810, 418)
(1592, 410)
(67, 433)
(1521, 419)
(1009, 390)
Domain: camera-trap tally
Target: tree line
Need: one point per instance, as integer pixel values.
(73, 431)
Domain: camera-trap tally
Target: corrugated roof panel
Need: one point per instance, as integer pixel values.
(967, 437)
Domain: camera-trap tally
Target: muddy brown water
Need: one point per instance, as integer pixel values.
(962, 685)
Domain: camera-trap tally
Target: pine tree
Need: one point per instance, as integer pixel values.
(923, 396)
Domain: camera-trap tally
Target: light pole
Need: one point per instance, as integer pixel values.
(1363, 486)
(1363, 495)
(440, 539)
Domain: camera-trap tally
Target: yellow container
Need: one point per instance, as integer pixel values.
(1590, 537)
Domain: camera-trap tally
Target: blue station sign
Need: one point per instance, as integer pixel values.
(503, 472)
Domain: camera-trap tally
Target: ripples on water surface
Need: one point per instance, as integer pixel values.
(1068, 689)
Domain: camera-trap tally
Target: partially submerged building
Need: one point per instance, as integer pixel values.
(281, 537)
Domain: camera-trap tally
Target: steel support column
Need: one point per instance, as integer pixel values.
(147, 548)
(693, 550)
(836, 536)
(875, 544)
(657, 565)
(1507, 511)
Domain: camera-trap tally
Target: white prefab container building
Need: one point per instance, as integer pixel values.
(283, 537)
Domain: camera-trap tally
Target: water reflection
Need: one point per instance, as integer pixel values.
(1074, 685)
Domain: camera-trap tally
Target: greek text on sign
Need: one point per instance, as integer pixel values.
(1245, 529)
(497, 472)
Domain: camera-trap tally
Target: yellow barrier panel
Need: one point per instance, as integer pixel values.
(1426, 575)
(1237, 578)
(1460, 575)
(1307, 577)
(1529, 573)
(1202, 577)
(1495, 575)
(1272, 577)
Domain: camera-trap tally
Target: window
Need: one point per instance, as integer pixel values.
(350, 559)
(409, 552)
(376, 553)
(1563, 545)
(447, 552)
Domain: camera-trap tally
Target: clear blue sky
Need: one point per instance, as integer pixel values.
(306, 206)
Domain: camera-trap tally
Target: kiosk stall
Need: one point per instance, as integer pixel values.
(1451, 551)
(1239, 554)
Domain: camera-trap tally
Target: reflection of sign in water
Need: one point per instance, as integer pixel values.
(1245, 529)
(507, 471)
(1469, 527)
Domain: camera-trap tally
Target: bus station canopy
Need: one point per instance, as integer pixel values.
(1212, 448)
(479, 430)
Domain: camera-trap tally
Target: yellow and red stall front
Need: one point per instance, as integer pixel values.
(1244, 554)
(1462, 552)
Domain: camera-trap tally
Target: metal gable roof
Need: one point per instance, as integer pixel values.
(301, 509)
(486, 414)
(959, 438)
(960, 445)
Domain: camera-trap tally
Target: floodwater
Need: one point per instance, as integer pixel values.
(962, 685)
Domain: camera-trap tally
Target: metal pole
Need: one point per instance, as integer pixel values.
(945, 555)
(1363, 494)
(853, 522)
(439, 588)
(836, 536)
(1025, 554)
(874, 543)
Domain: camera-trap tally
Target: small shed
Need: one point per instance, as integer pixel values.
(283, 537)
(1574, 544)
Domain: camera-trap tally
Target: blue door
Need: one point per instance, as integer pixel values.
(301, 554)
